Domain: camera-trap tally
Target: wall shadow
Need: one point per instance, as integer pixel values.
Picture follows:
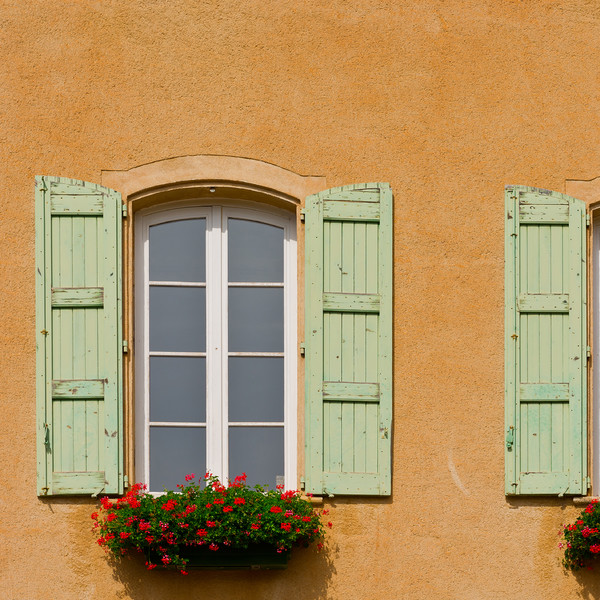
(308, 576)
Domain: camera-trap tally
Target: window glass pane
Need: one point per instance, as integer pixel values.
(255, 319)
(256, 389)
(255, 251)
(178, 251)
(258, 452)
(177, 319)
(175, 452)
(177, 389)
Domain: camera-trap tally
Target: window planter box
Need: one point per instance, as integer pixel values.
(259, 556)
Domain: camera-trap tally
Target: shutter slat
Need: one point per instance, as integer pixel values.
(348, 340)
(546, 403)
(544, 391)
(77, 388)
(539, 303)
(351, 303)
(351, 211)
(344, 390)
(77, 297)
(79, 337)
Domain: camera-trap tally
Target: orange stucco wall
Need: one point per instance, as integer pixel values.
(448, 100)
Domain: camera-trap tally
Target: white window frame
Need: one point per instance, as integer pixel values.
(216, 213)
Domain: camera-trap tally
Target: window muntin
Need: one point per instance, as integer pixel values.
(218, 392)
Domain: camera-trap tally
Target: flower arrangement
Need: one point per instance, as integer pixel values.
(210, 515)
(582, 538)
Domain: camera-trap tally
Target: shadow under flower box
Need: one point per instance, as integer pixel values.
(251, 558)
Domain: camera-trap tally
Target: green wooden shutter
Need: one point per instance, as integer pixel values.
(546, 401)
(348, 368)
(78, 321)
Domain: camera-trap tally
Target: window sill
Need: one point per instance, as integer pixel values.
(581, 500)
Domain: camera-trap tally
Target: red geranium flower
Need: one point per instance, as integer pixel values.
(275, 509)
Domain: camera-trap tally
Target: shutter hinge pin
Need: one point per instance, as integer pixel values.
(302, 215)
(588, 352)
(124, 209)
(125, 346)
(302, 349)
(302, 483)
(587, 219)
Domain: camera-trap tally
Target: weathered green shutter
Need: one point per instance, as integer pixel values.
(546, 402)
(348, 366)
(78, 321)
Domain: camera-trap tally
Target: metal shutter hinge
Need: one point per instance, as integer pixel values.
(587, 219)
(124, 209)
(302, 483)
(125, 481)
(302, 349)
(588, 352)
(302, 215)
(125, 346)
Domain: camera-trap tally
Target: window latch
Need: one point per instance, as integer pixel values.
(510, 438)
(47, 437)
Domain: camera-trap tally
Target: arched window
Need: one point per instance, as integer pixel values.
(215, 372)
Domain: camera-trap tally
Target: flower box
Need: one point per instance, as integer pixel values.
(208, 525)
(255, 557)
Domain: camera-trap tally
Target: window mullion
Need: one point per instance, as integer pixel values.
(225, 346)
(214, 345)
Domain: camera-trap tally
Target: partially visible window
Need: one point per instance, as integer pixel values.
(215, 345)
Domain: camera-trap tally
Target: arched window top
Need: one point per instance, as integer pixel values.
(187, 177)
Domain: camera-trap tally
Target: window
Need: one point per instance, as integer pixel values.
(215, 329)
(216, 319)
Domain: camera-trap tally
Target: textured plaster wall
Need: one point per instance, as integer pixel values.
(448, 101)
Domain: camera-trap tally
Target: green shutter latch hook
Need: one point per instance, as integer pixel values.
(47, 437)
(510, 438)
